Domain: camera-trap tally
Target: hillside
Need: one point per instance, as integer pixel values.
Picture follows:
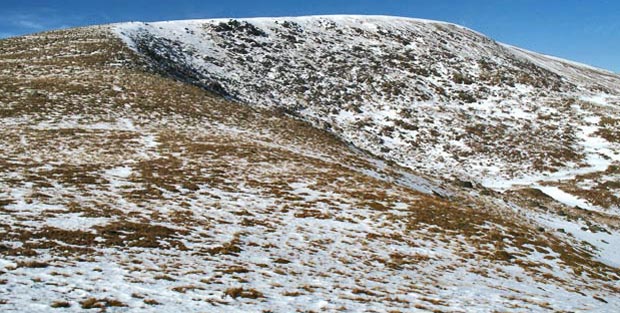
(431, 96)
(339, 163)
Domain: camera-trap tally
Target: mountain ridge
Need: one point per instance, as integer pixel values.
(378, 17)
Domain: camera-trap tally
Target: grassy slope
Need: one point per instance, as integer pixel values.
(120, 187)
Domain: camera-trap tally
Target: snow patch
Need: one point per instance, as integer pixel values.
(605, 243)
(74, 221)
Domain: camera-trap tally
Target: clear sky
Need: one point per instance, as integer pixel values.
(587, 31)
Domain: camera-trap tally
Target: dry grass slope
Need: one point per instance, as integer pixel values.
(123, 188)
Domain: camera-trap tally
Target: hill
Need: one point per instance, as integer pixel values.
(338, 163)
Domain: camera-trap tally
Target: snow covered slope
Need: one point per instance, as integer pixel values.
(126, 187)
(431, 96)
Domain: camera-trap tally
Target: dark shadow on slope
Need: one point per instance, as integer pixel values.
(167, 58)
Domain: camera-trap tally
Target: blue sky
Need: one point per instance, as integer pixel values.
(587, 31)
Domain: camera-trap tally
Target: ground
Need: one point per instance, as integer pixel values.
(122, 189)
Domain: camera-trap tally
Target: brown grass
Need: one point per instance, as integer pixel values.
(610, 129)
(235, 270)
(94, 303)
(32, 264)
(60, 304)
(470, 222)
(124, 233)
(151, 302)
(229, 248)
(240, 292)
(164, 277)
(184, 289)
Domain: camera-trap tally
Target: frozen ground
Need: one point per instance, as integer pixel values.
(431, 96)
(124, 190)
